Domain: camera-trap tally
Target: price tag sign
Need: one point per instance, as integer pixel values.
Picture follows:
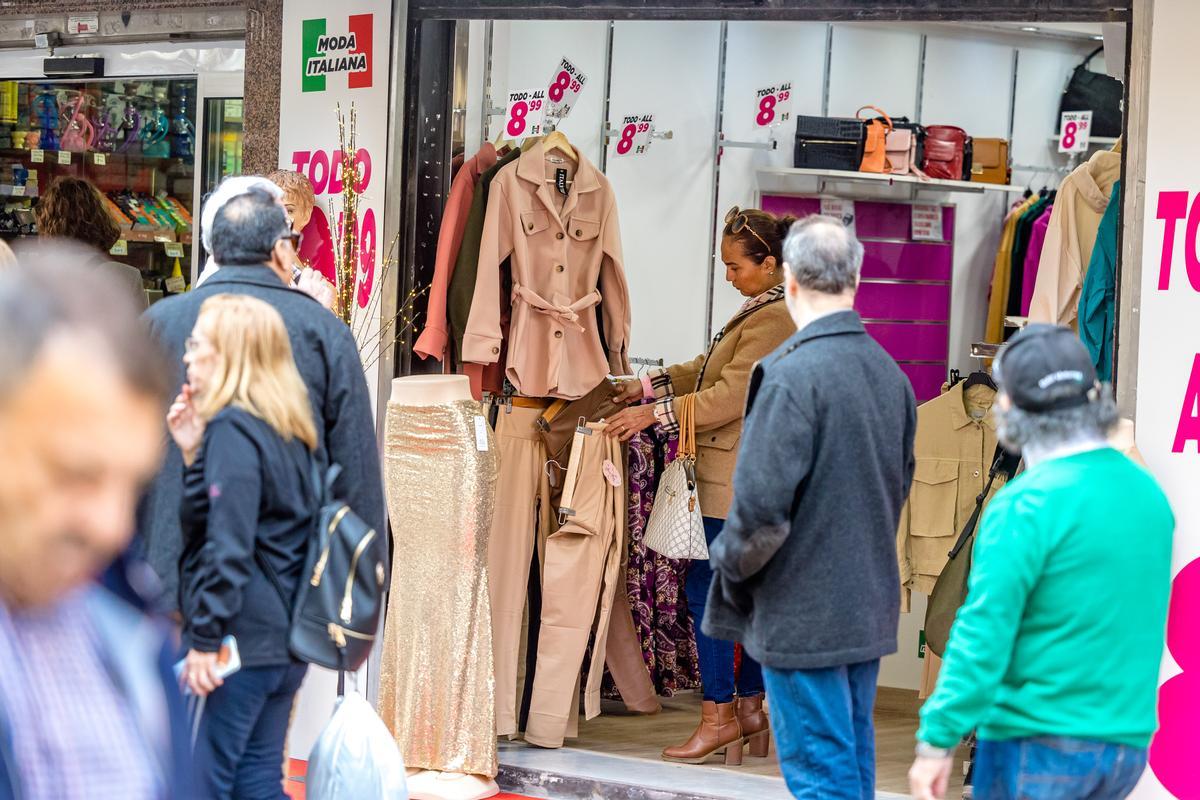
(175, 285)
(566, 84)
(99, 159)
(1074, 131)
(18, 191)
(83, 24)
(927, 224)
(634, 135)
(64, 156)
(526, 114)
(174, 249)
(121, 248)
(839, 208)
(37, 156)
(773, 105)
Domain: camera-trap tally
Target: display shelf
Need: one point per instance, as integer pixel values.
(88, 159)
(9, 190)
(779, 180)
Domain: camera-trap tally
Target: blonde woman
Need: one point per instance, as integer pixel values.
(245, 428)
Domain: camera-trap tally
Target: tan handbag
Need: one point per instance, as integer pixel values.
(990, 164)
(875, 155)
(676, 526)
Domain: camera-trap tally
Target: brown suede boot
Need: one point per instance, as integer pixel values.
(756, 727)
(719, 730)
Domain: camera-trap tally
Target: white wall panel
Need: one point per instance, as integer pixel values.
(873, 66)
(665, 195)
(968, 84)
(1042, 73)
(525, 54)
(760, 54)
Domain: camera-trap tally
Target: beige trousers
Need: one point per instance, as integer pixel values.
(583, 563)
(522, 520)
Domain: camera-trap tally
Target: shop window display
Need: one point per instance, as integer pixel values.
(135, 140)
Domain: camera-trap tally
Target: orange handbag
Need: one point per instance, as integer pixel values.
(875, 149)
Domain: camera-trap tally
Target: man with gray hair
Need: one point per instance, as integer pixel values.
(1055, 654)
(805, 571)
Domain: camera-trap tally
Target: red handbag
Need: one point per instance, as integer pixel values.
(945, 146)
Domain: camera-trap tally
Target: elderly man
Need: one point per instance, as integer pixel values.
(88, 702)
(252, 242)
(805, 569)
(1055, 655)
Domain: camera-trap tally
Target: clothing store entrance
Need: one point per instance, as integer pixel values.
(683, 111)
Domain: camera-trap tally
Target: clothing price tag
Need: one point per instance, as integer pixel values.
(64, 156)
(927, 224)
(1074, 131)
(611, 473)
(526, 114)
(839, 208)
(37, 156)
(99, 159)
(121, 248)
(773, 105)
(175, 285)
(481, 434)
(565, 87)
(174, 249)
(635, 134)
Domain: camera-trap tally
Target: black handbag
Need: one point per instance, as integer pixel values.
(829, 143)
(338, 603)
(950, 591)
(1093, 91)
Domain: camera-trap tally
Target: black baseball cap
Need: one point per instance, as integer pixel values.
(1047, 368)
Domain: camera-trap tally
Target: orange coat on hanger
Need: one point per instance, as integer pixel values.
(566, 260)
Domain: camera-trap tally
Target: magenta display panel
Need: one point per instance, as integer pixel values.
(912, 261)
(908, 342)
(872, 219)
(927, 379)
(904, 302)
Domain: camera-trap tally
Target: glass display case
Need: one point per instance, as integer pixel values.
(135, 140)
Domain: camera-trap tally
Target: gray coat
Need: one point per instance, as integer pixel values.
(328, 360)
(805, 570)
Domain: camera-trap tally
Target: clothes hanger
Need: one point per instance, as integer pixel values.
(557, 140)
(979, 378)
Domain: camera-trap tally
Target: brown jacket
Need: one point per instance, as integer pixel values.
(566, 260)
(721, 396)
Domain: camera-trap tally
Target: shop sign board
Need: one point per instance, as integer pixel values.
(839, 208)
(1168, 375)
(927, 223)
(525, 114)
(1074, 131)
(336, 55)
(635, 134)
(566, 84)
(773, 105)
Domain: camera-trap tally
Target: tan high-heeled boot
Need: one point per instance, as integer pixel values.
(756, 726)
(719, 731)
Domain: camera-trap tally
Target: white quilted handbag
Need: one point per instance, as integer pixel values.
(676, 526)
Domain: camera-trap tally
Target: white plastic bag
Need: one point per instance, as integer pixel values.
(355, 757)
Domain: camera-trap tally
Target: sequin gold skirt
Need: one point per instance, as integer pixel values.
(436, 690)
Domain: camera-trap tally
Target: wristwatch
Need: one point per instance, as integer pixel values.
(926, 750)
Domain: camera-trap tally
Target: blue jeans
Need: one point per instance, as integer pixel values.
(824, 730)
(239, 749)
(716, 655)
(1056, 767)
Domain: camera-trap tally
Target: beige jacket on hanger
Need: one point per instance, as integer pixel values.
(954, 449)
(1081, 201)
(566, 260)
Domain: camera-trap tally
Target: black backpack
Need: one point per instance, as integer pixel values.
(338, 603)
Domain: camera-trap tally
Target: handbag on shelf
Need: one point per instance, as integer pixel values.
(876, 132)
(945, 152)
(828, 143)
(990, 164)
(1096, 92)
(676, 526)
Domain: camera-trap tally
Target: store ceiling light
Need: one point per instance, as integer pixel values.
(1098, 38)
(1029, 29)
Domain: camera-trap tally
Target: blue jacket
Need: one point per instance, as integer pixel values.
(327, 358)
(805, 570)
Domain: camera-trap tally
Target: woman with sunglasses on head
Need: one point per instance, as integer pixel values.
(752, 248)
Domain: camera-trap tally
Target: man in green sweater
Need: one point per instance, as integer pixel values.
(1054, 657)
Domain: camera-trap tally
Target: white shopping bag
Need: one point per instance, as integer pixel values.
(355, 757)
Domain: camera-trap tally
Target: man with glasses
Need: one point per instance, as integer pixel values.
(251, 240)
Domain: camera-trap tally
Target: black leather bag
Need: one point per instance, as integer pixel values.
(337, 606)
(1093, 91)
(829, 143)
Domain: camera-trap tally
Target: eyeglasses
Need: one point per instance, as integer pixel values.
(192, 344)
(737, 222)
(292, 237)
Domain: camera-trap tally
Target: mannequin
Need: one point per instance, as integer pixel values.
(440, 472)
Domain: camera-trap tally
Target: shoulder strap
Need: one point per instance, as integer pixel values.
(1004, 463)
(1083, 64)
